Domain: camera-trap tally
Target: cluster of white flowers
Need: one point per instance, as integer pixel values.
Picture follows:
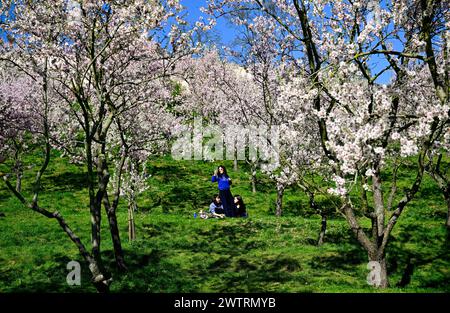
(340, 189)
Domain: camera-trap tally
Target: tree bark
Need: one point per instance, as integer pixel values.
(280, 193)
(95, 209)
(383, 276)
(19, 176)
(378, 201)
(323, 230)
(406, 277)
(100, 281)
(446, 192)
(101, 195)
(447, 222)
(131, 224)
(253, 178)
(115, 235)
(18, 169)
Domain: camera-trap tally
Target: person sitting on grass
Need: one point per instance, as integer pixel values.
(241, 210)
(216, 208)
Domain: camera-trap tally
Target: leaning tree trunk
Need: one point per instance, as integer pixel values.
(114, 230)
(100, 281)
(280, 193)
(115, 236)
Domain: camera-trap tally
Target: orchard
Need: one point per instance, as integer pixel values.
(120, 119)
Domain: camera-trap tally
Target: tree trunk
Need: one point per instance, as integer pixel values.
(19, 176)
(447, 222)
(280, 193)
(323, 229)
(406, 277)
(378, 272)
(384, 275)
(375, 249)
(95, 209)
(447, 200)
(131, 224)
(115, 235)
(253, 177)
(235, 161)
(18, 169)
(378, 202)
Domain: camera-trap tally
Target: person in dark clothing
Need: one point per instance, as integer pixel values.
(224, 182)
(240, 208)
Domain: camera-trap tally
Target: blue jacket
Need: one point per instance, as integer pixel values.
(224, 183)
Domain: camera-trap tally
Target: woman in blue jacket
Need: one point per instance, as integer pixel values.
(224, 183)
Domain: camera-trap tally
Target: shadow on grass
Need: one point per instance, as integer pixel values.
(345, 258)
(167, 172)
(65, 181)
(417, 247)
(47, 277)
(179, 192)
(223, 262)
(429, 191)
(5, 196)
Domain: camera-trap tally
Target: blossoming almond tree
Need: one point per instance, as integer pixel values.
(235, 102)
(273, 71)
(227, 101)
(144, 130)
(23, 104)
(20, 118)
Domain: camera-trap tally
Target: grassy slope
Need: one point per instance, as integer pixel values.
(176, 253)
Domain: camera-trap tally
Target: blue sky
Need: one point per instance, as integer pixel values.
(223, 28)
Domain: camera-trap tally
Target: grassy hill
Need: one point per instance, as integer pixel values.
(176, 253)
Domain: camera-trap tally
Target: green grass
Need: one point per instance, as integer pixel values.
(176, 253)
